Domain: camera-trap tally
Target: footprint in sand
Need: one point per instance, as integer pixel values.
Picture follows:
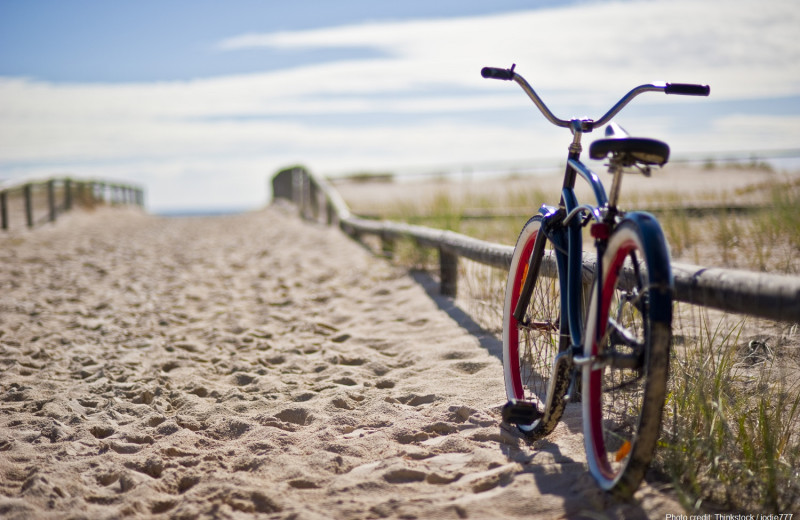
(298, 416)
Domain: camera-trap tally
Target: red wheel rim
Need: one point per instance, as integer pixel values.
(595, 377)
(513, 336)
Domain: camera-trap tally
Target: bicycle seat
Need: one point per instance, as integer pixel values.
(630, 150)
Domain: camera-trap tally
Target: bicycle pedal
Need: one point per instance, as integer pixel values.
(521, 413)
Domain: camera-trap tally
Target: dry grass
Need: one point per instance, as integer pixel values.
(731, 432)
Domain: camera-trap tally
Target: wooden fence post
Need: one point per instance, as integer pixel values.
(283, 184)
(297, 188)
(305, 195)
(28, 193)
(330, 212)
(448, 272)
(67, 194)
(51, 199)
(4, 209)
(387, 245)
(313, 199)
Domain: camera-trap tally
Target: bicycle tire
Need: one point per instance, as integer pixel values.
(529, 351)
(623, 400)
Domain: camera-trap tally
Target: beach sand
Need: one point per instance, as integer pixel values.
(257, 366)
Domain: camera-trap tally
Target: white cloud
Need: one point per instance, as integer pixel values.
(747, 49)
(581, 57)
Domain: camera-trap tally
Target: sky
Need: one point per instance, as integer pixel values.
(203, 101)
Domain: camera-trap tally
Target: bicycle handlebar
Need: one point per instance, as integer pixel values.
(496, 73)
(587, 125)
(686, 89)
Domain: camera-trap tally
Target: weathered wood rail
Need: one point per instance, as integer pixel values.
(763, 295)
(59, 195)
(691, 210)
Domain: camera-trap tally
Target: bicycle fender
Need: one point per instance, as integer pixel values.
(657, 252)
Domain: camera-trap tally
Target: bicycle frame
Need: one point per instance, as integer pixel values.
(562, 226)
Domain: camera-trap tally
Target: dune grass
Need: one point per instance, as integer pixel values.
(731, 430)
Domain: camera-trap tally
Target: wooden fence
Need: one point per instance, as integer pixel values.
(762, 295)
(36, 202)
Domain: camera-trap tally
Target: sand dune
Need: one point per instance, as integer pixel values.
(256, 365)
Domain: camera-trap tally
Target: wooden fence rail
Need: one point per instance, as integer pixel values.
(61, 195)
(761, 295)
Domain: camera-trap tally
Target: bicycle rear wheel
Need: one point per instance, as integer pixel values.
(530, 347)
(628, 334)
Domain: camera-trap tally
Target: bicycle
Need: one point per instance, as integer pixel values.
(620, 350)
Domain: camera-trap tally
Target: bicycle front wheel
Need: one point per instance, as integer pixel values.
(628, 335)
(530, 347)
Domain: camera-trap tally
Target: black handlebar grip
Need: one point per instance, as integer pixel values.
(686, 89)
(496, 73)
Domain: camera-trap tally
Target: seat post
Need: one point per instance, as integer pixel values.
(615, 169)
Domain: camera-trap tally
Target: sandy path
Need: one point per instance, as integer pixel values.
(255, 366)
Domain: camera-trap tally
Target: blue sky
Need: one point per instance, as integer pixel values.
(202, 101)
(97, 41)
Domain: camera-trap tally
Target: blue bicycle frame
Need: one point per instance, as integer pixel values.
(565, 234)
(563, 229)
